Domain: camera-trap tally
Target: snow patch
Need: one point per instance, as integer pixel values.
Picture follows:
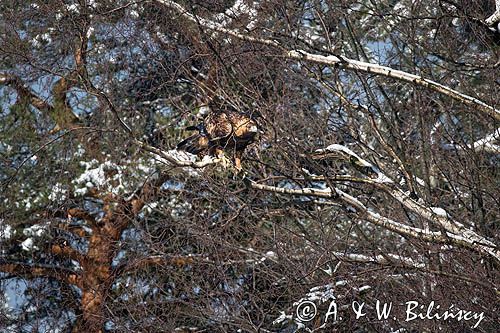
(59, 193)
(283, 317)
(134, 13)
(35, 230)
(73, 8)
(6, 231)
(90, 31)
(28, 245)
(239, 8)
(439, 211)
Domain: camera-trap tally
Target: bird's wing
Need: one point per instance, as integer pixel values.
(194, 144)
(218, 126)
(243, 125)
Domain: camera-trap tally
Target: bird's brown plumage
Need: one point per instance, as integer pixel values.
(222, 130)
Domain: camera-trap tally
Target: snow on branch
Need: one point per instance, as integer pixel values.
(384, 260)
(465, 238)
(436, 215)
(455, 230)
(358, 162)
(484, 144)
(495, 17)
(362, 66)
(238, 9)
(489, 138)
(177, 158)
(341, 61)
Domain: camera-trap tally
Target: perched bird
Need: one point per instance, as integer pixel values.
(222, 130)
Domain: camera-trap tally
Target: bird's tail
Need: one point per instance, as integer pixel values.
(193, 144)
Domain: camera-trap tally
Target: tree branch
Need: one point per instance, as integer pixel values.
(67, 252)
(434, 214)
(28, 270)
(465, 238)
(495, 17)
(24, 92)
(174, 158)
(81, 214)
(60, 112)
(485, 144)
(160, 260)
(384, 260)
(341, 61)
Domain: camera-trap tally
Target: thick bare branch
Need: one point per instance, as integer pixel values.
(28, 270)
(67, 252)
(24, 92)
(81, 214)
(60, 112)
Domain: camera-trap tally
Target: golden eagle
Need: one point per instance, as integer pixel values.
(223, 130)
